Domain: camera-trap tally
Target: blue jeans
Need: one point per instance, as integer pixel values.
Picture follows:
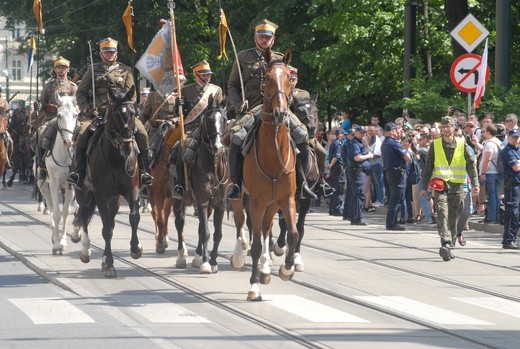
(396, 185)
(379, 185)
(493, 203)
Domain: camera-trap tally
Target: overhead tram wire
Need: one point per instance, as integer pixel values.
(73, 11)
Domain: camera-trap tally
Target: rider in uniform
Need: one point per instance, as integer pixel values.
(252, 65)
(108, 74)
(7, 137)
(194, 100)
(48, 128)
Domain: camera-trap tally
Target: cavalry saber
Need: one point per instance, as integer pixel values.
(171, 6)
(92, 71)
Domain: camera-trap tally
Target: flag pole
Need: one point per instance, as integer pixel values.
(175, 59)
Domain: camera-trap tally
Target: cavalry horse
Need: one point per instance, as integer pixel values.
(306, 111)
(112, 173)
(58, 162)
(270, 176)
(209, 177)
(20, 129)
(3, 149)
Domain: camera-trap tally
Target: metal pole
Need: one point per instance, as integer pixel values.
(503, 44)
(410, 28)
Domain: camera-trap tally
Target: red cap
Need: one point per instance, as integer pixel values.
(437, 184)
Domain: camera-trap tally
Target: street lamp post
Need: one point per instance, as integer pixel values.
(6, 73)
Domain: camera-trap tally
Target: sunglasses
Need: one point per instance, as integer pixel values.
(470, 126)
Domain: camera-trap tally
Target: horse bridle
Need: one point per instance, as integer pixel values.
(119, 138)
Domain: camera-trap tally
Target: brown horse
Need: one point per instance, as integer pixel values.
(3, 149)
(20, 129)
(270, 177)
(112, 173)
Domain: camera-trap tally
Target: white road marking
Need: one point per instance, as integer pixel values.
(160, 310)
(43, 311)
(503, 306)
(423, 311)
(310, 310)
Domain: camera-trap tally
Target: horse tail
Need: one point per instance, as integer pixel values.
(86, 211)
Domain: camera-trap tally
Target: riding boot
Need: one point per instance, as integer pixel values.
(178, 190)
(302, 164)
(236, 164)
(9, 146)
(146, 178)
(78, 178)
(42, 171)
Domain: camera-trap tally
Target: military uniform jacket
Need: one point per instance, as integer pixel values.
(114, 76)
(194, 92)
(155, 101)
(252, 64)
(48, 96)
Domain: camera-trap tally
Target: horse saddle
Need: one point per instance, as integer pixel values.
(251, 134)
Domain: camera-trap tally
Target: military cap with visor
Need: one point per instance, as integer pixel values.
(265, 27)
(108, 45)
(60, 61)
(202, 67)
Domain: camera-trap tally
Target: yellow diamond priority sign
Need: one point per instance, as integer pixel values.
(469, 33)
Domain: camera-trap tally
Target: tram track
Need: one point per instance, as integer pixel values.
(322, 290)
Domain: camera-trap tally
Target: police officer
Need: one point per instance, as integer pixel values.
(48, 129)
(195, 98)
(252, 65)
(347, 204)
(336, 175)
(394, 162)
(358, 164)
(449, 159)
(108, 74)
(511, 159)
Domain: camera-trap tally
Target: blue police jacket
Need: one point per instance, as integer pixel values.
(356, 148)
(510, 156)
(392, 153)
(335, 150)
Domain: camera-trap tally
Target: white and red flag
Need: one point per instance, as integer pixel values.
(482, 75)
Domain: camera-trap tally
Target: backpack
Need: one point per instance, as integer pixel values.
(413, 171)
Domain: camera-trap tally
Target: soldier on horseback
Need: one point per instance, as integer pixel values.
(250, 68)
(6, 137)
(97, 80)
(47, 128)
(194, 101)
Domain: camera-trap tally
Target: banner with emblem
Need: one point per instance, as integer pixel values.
(156, 63)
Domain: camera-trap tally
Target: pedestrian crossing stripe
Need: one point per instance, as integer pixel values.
(422, 311)
(310, 310)
(157, 309)
(500, 305)
(50, 310)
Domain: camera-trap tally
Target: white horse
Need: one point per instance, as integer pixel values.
(58, 162)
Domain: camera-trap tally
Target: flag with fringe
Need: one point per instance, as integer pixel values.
(482, 75)
(127, 20)
(31, 53)
(156, 63)
(222, 34)
(37, 9)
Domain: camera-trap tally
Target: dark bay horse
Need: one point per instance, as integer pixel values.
(112, 173)
(20, 129)
(306, 111)
(270, 176)
(209, 177)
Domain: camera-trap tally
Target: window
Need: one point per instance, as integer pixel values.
(16, 70)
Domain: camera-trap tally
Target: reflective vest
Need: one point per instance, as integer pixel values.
(454, 172)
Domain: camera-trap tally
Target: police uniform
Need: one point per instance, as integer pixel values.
(195, 99)
(356, 172)
(451, 163)
(47, 130)
(336, 174)
(107, 75)
(347, 204)
(510, 157)
(394, 164)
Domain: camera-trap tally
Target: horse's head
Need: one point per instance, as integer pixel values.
(278, 88)
(67, 117)
(121, 118)
(213, 125)
(307, 112)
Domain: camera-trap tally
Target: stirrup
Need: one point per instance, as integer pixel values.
(327, 190)
(73, 178)
(144, 192)
(179, 190)
(146, 179)
(42, 173)
(234, 192)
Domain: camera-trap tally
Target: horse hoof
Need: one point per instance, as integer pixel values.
(265, 279)
(254, 294)
(245, 245)
(110, 272)
(57, 250)
(237, 262)
(84, 258)
(298, 262)
(180, 263)
(46, 211)
(160, 249)
(137, 254)
(197, 261)
(279, 250)
(286, 274)
(214, 269)
(205, 268)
